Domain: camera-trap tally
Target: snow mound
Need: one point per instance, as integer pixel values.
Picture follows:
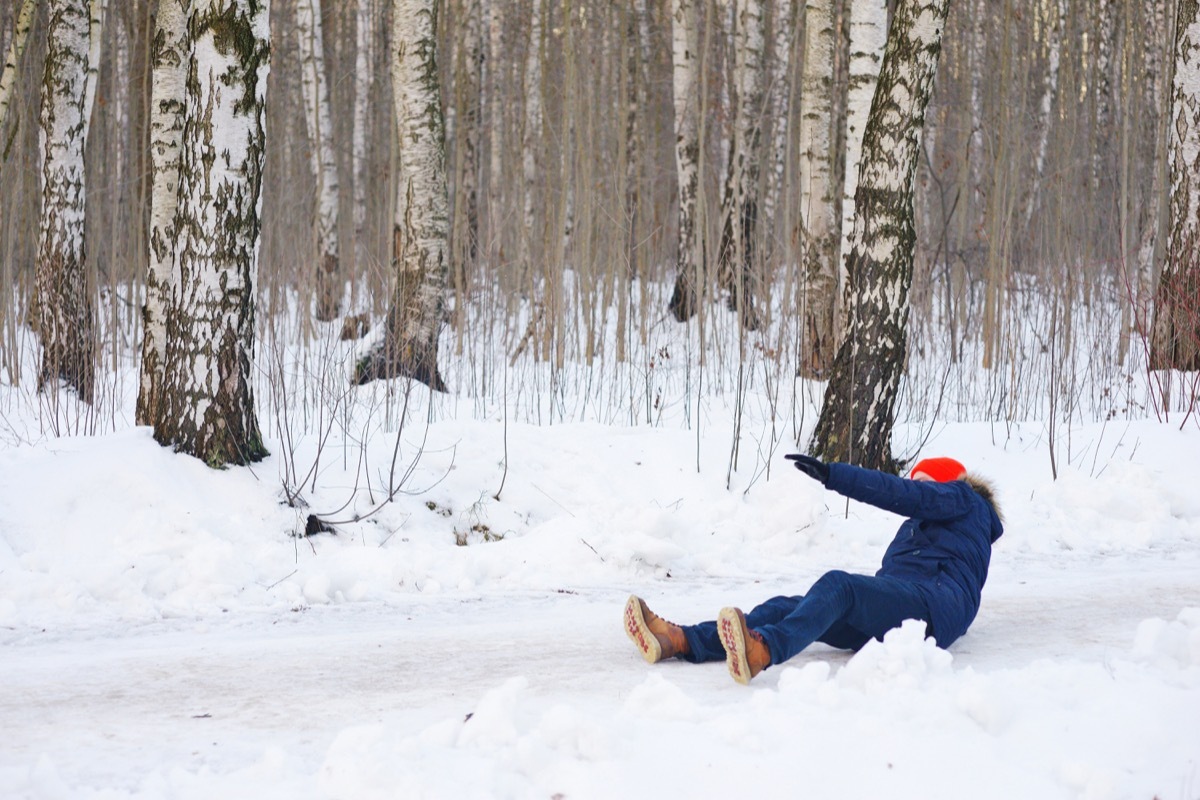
(905, 659)
(1175, 643)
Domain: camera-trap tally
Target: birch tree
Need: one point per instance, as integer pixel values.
(468, 89)
(635, 86)
(740, 214)
(8, 71)
(167, 92)
(1176, 332)
(1160, 66)
(322, 156)
(63, 298)
(859, 408)
(207, 400)
(531, 134)
(782, 35)
(637, 58)
(497, 128)
(97, 11)
(1055, 27)
(818, 203)
(685, 41)
(420, 235)
(868, 38)
(364, 71)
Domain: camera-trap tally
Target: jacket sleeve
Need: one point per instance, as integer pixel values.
(908, 498)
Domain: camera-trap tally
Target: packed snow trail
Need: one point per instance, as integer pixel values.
(172, 707)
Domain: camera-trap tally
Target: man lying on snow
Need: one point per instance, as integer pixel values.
(933, 571)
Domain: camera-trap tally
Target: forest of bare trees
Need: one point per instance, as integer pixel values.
(491, 184)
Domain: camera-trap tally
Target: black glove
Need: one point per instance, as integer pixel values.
(814, 468)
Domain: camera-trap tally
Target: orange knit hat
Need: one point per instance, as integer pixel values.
(940, 469)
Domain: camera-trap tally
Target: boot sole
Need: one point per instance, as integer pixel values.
(731, 628)
(639, 633)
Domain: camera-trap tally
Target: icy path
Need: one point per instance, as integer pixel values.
(184, 707)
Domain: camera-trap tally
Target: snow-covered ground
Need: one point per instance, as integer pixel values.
(164, 634)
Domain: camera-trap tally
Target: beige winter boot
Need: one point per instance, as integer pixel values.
(746, 654)
(654, 637)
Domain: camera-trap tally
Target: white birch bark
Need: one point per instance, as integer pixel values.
(8, 72)
(468, 92)
(979, 30)
(532, 134)
(1160, 64)
(498, 131)
(635, 23)
(685, 41)
(364, 70)
(97, 11)
(207, 399)
(322, 156)
(422, 226)
(782, 22)
(636, 64)
(868, 37)
(818, 205)
(1176, 331)
(1055, 28)
(859, 408)
(63, 300)
(741, 200)
(1102, 77)
(637, 61)
(167, 93)
(569, 112)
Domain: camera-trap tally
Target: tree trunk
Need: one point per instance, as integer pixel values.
(496, 195)
(740, 214)
(778, 116)
(1176, 333)
(568, 130)
(420, 235)
(97, 11)
(166, 133)
(859, 409)
(1161, 68)
(8, 71)
(1102, 94)
(364, 63)
(323, 157)
(63, 301)
(689, 277)
(1055, 27)
(868, 38)
(207, 399)
(468, 68)
(818, 204)
(531, 138)
(637, 52)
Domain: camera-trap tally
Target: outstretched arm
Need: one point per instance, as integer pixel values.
(909, 498)
(918, 499)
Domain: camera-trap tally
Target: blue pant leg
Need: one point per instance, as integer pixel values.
(705, 644)
(882, 603)
(844, 637)
(838, 606)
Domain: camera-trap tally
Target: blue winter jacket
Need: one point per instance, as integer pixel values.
(943, 548)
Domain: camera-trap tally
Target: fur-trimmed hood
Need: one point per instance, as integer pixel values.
(984, 488)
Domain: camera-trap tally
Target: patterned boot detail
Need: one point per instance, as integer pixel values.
(654, 637)
(746, 654)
